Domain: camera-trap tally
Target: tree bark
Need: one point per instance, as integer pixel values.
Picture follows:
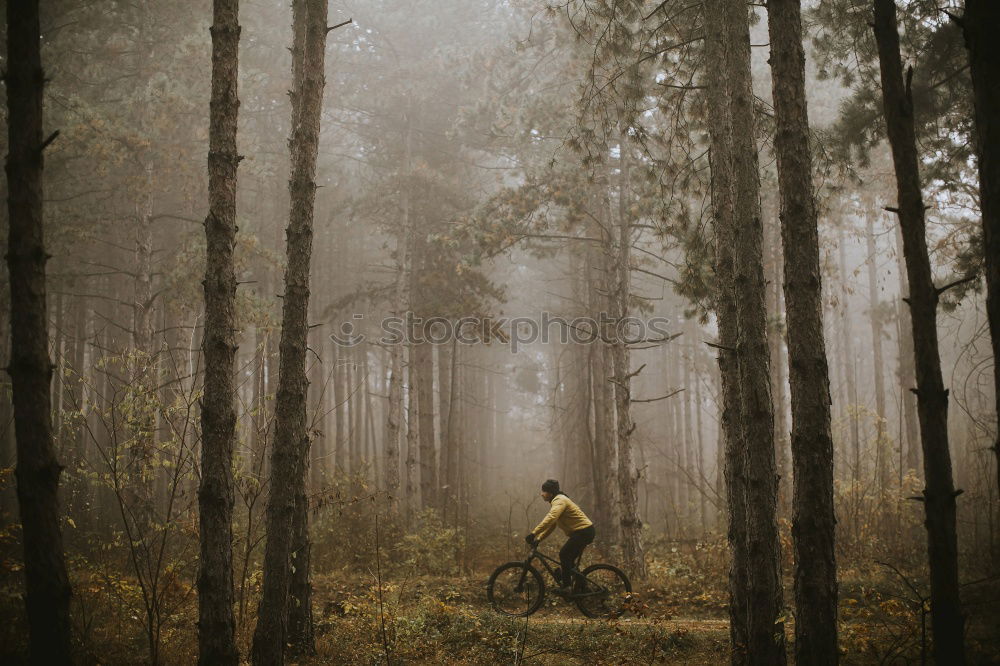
(628, 475)
(216, 623)
(605, 446)
(291, 444)
(47, 590)
(947, 621)
(813, 519)
(720, 137)
(979, 26)
(766, 636)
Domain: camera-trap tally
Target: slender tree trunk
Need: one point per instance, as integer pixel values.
(809, 378)
(849, 372)
(628, 475)
(875, 317)
(731, 440)
(947, 621)
(766, 633)
(47, 590)
(397, 349)
(445, 362)
(687, 439)
(412, 436)
(371, 439)
(394, 415)
(424, 357)
(216, 623)
(291, 445)
(450, 438)
(979, 26)
(603, 401)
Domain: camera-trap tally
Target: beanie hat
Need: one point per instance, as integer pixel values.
(551, 486)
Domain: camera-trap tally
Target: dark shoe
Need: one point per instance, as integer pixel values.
(563, 591)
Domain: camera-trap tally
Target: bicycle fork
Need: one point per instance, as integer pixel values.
(520, 583)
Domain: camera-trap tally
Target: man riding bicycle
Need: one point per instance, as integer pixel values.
(573, 521)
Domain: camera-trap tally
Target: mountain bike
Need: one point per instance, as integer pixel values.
(517, 589)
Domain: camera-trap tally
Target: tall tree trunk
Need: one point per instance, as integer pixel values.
(47, 590)
(291, 444)
(812, 443)
(875, 318)
(424, 356)
(766, 633)
(628, 475)
(450, 438)
(394, 415)
(216, 623)
(947, 621)
(984, 64)
(687, 438)
(720, 136)
(412, 436)
(605, 446)
(445, 361)
(849, 371)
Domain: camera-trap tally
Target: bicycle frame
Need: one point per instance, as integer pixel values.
(544, 560)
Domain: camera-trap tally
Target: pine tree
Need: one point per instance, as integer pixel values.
(287, 534)
(47, 590)
(947, 622)
(216, 623)
(812, 443)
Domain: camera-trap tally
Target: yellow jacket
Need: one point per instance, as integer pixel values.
(566, 514)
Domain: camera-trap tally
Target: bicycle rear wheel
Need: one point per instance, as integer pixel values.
(603, 592)
(516, 589)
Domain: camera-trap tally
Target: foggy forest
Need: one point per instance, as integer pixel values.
(500, 332)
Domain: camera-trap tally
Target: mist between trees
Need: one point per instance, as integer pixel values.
(728, 272)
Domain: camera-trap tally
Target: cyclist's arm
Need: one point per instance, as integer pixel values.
(549, 522)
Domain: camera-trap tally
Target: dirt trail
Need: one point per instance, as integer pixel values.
(693, 625)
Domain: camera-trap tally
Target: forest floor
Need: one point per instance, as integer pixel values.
(437, 613)
(449, 621)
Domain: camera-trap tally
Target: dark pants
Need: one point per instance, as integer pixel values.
(572, 550)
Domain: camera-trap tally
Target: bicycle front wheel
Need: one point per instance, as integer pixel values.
(516, 589)
(603, 592)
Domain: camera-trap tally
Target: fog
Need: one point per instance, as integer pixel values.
(512, 277)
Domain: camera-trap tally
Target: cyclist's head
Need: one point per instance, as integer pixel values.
(550, 489)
